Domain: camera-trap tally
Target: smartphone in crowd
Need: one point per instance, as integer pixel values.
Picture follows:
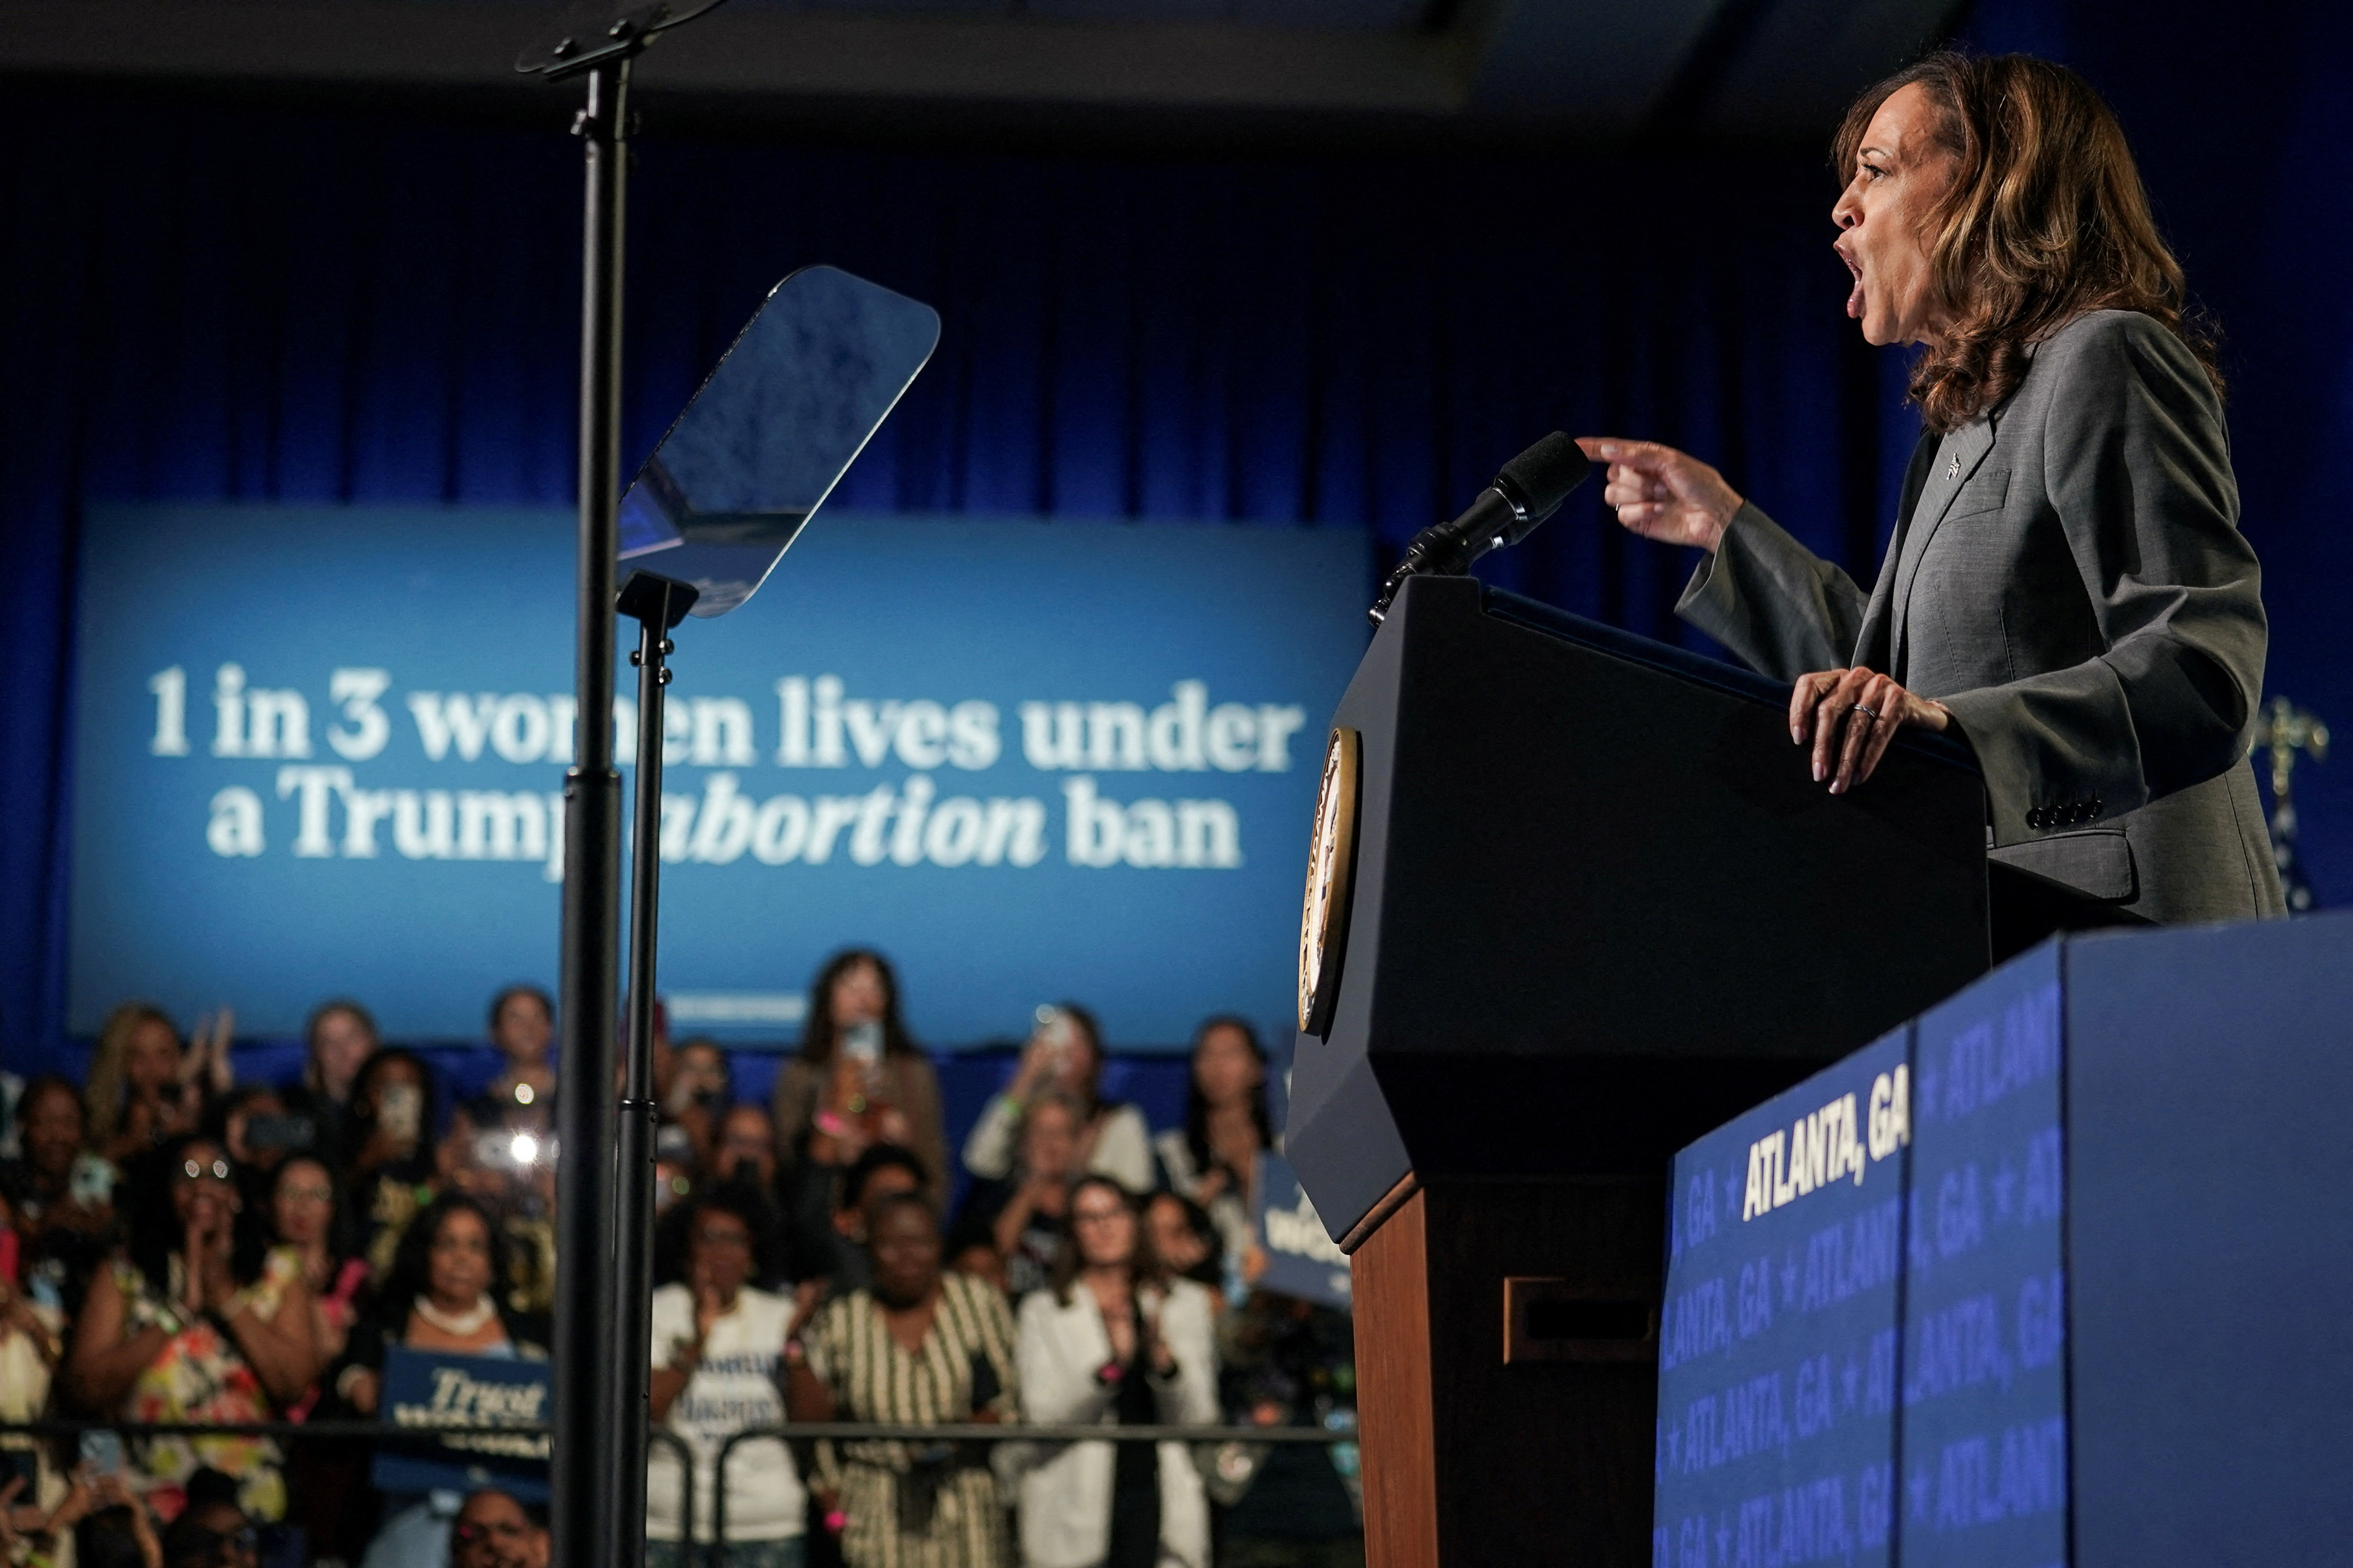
(862, 1043)
(102, 1452)
(399, 1107)
(278, 1132)
(92, 1183)
(20, 1464)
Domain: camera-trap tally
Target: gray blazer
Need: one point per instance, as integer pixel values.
(2067, 577)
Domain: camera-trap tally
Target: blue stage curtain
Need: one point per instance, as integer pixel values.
(208, 300)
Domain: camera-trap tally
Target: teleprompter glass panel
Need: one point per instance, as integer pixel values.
(793, 400)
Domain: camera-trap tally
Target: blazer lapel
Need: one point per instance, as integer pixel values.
(1871, 647)
(1962, 452)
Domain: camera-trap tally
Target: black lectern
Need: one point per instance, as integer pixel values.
(1589, 904)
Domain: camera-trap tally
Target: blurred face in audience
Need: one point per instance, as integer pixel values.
(1104, 1226)
(701, 1070)
(1225, 1067)
(747, 1144)
(303, 1202)
(522, 1030)
(906, 1244)
(340, 1042)
(396, 1096)
(1172, 1241)
(492, 1531)
(719, 1253)
(151, 1058)
(202, 1197)
(233, 1542)
(1049, 1141)
(857, 995)
(457, 1269)
(52, 1131)
(881, 1182)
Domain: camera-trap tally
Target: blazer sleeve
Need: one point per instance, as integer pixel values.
(2136, 465)
(1190, 1398)
(1780, 608)
(989, 1152)
(1058, 1360)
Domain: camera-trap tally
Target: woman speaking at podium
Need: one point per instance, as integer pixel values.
(2067, 589)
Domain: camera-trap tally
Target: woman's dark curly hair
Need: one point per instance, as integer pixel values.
(411, 1262)
(157, 1234)
(2046, 219)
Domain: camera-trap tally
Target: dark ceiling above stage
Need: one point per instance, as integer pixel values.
(1604, 68)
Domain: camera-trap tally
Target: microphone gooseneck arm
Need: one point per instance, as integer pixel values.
(1529, 489)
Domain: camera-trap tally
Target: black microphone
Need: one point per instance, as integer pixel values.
(1529, 489)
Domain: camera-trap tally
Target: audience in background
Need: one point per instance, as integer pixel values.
(493, 1530)
(146, 1085)
(303, 1210)
(1287, 1362)
(718, 1361)
(522, 1028)
(60, 1196)
(392, 1171)
(228, 1273)
(195, 1322)
(213, 1531)
(1186, 1241)
(1213, 1158)
(32, 1343)
(884, 1171)
(337, 1042)
(1115, 1341)
(1011, 1228)
(858, 1079)
(441, 1295)
(697, 1094)
(1065, 1056)
(919, 1347)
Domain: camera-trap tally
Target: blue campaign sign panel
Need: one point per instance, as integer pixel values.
(1985, 1394)
(320, 751)
(1301, 1259)
(426, 1388)
(1778, 1341)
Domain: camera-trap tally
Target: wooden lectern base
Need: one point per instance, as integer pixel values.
(1507, 1372)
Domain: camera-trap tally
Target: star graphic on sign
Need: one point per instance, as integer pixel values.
(1853, 1380)
(2005, 1183)
(1789, 1282)
(1920, 1492)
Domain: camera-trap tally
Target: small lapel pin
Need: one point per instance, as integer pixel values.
(1953, 469)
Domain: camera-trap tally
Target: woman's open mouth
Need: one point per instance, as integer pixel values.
(1854, 299)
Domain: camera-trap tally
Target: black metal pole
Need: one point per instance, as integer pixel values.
(656, 602)
(581, 1452)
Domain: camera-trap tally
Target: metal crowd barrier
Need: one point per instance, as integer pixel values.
(962, 1432)
(349, 1431)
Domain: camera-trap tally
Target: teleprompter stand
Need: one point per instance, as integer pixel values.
(594, 1469)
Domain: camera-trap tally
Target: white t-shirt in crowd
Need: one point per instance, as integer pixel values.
(735, 1386)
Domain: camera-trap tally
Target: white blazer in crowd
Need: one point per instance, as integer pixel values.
(1066, 1494)
(1123, 1149)
(734, 1385)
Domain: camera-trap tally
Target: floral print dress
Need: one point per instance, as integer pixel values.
(201, 1375)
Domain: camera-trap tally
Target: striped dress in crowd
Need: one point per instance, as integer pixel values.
(907, 1505)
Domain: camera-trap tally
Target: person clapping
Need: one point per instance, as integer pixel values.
(1115, 1341)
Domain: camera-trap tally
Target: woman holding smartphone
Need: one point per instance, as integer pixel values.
(1065, 1056)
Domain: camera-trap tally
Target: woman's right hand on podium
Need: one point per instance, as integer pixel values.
(1664, 494)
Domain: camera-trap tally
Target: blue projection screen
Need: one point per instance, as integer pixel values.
(321, 752)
